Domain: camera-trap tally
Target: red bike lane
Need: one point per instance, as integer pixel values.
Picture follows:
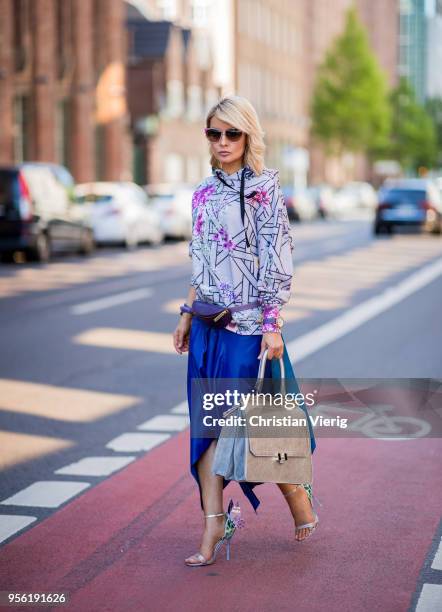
(121, 545)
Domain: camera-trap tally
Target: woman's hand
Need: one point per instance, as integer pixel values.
(272, 341)
(181, 334)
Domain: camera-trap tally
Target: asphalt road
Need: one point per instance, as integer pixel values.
(87, 361)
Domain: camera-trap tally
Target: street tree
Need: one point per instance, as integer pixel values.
(413, 134)
(350, 109)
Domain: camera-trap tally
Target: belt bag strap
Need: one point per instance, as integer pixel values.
(245, 306)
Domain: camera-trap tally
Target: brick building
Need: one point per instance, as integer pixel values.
(62, 85)
(169, 92)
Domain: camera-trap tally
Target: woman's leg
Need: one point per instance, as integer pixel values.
(300, 506)
(212, 496)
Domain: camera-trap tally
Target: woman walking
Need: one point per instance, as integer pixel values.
(241, 252)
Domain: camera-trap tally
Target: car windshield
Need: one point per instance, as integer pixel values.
(94, 197)
(403, 196)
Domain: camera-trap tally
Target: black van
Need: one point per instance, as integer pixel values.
(38, 214)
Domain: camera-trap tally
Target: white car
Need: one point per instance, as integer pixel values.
(119, 213)
(355, 195)
(174, 205)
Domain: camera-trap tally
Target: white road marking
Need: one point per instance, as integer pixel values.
(46, 493)
(13, 523)
(182, 408)
(430, 598)
(95, 466)
(165, 422)
(437, 561)
(325, 334)
(136, 442)
(111, 300)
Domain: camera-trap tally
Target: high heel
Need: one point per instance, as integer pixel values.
(232, 521)
(310, 526)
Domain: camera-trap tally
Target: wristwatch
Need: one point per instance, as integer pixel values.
(278, 321)
(185, 308)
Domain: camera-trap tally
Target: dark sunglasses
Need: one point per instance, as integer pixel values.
(231, 134)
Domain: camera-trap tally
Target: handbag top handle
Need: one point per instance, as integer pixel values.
(260, 377)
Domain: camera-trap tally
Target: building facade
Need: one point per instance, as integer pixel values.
(413, 45)
(170, 89)
(62, 86)
(434, 52)
(381, 20)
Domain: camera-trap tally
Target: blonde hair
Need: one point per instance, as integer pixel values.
(240, 113)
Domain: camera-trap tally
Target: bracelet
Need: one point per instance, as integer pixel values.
(271, 327)
(185, 308)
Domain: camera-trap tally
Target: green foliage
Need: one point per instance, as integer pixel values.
(413, 136)
(350, 109)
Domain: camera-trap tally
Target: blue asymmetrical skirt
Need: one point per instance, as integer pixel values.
(223, 354)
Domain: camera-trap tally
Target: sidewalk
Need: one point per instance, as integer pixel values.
(121, 545)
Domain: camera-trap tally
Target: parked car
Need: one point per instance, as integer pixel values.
(354, 195)
(174, 205)
(323, 197)
(119, 213)
(300, 204)
(37, 213)
(409, 202)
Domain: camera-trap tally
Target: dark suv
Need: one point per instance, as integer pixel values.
(38, 213)
(408, 202)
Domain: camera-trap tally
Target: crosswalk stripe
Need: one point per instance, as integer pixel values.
(95, 466)
(430, 598)
(182, 408)
(111, 300)
(60, 403)
(11, 524)
(351, 319)
(437, 561)
(165, 422)
(46, 494)
(136, 442)
(129, 339)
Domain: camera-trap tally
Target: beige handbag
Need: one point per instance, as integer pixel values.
(268, 453)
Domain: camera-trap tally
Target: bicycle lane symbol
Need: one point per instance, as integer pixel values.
(376, 423)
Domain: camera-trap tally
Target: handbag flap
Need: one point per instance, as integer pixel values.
(270, 447)
(269, 440)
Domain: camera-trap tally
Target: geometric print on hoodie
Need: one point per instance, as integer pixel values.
(224, 270)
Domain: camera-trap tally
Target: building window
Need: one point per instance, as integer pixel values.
(22, 139)
(194, 102)
(18, 43)
(200, 13)
(193, 169)
(168, 9)
(63, 132)
(175, 98)
(100, 152)
(63, 41)
(173, 168)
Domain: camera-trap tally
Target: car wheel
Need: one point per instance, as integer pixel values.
(437, 228)
(87, 245)
(42, 250)
(159, 237)
(131, 241)
(7, 257)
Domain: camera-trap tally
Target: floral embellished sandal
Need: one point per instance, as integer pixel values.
(232, 521)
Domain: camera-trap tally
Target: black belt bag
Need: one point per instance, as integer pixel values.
(218, 316)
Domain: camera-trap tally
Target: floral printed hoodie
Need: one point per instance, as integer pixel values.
(227, 272)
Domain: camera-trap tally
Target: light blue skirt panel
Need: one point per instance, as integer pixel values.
(220, 353)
